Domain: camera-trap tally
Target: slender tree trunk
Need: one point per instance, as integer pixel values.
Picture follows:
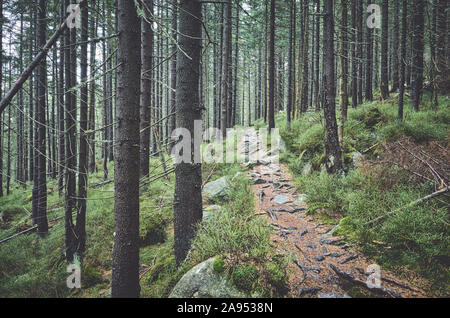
(384, 84)
(92, 98)
(402, 59)
(344, 69)
(332, 148)
(83, 152)
(395, 45)
(290, 64)
(369, 62)
(225, 65)
(354, 83)
(70, 200)
(173, 69)
(125, 263)
(271, 105)
(317, 63)
(188, 197)
(442, 66)
(418, 50)
(146, 87)
(61, 110)
(305, 60)
(42, 225)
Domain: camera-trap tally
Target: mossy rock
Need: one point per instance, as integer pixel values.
(203, 281)
(276, 275)
(219, 264)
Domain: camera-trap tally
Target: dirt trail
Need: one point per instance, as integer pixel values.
(324, 265)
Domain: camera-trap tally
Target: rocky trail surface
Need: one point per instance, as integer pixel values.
(323, 265)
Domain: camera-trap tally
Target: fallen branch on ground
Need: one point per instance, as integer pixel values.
(426, 198)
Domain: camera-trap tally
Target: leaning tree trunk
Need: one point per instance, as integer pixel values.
(332, 147)
(125, 263)
(188, 182)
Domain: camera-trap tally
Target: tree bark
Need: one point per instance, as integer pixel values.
(125, 263)
(384, 84)
(146, 86)
(271, 105)
(418, 50)
(332, 148)
(188, 182)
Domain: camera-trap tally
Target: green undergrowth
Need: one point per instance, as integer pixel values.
(416, 237)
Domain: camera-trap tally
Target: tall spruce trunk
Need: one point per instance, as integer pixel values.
(332, 148)
(344, 69)
(83, 151)
(418, 51)
(402, 59)
(146, 87)
(42, 224)
(225, 65)
(188, 175)
(271, 105)
(125, 263)
(384, 83)
(369, 63)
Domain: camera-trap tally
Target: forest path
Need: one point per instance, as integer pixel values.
(323, 265)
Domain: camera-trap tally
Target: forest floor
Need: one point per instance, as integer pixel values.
(321, 264)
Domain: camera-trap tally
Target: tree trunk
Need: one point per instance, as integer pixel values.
(395, 42)
(173, 70)
(125, 263)
(83, 152)
(442, 67)
(225, 65)
(188, 196)
(70, 196)
(271, 105)
(290, 65)
(369, 63)
(418, 50)
(384, 84)
(146, 87)
(42, 225)
(402, 59)
(344, 69)
(332, 147)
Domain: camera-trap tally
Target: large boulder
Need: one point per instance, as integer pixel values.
(216, 189)
(203, 281)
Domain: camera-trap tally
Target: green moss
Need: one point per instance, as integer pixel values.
(245, 277)
(276, 275)
(219, 264)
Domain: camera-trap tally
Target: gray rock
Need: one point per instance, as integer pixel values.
(307, 169)
(357, 158)
(281, 199)
(216, 189)
(203, 281)
(333, 295)
(301, 198)
(237, 175)
(210, 211)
